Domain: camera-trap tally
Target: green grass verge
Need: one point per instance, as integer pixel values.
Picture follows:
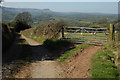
(69, 53)
(103, 63)
(40, 38)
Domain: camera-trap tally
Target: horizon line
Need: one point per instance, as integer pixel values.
(60, 11)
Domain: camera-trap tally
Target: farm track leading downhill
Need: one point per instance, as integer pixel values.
(42, 66)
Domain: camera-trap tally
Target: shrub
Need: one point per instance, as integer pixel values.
(8, 36)
(19, 25)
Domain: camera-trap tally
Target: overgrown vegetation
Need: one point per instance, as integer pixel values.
(103, 63)
(69, 53)
(8, 35)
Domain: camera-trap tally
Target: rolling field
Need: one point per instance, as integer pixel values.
(98, 37)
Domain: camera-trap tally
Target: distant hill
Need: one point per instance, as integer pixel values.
(44, 15)
(9, 13)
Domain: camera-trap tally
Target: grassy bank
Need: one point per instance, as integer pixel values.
(103, 63)
(69, 53)
(39, 38)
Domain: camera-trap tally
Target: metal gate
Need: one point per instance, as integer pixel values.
(97, 36)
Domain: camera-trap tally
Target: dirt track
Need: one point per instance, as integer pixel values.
(77, 66)
(46, 69)
(39, 68)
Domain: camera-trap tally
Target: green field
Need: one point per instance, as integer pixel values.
(87, 36)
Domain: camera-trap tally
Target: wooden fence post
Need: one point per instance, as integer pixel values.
(111, 33)
(63, 32)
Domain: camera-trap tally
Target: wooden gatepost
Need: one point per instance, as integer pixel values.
(63, 33)
(112, 33)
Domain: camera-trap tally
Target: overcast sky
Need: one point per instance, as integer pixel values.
(88, 7)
